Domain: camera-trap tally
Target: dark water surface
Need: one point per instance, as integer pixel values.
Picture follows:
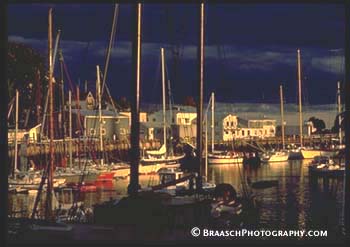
(292, 205)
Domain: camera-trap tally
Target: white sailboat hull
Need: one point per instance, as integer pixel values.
(155, 160)
(310, 154)
(224, 159)
(280, 157)
(144, 169)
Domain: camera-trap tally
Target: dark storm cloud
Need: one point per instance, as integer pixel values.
(250, 48)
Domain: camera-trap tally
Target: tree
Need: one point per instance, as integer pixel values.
(318, 124)
(189, 101)
(335, 128)
(26, 72)
(123, 104)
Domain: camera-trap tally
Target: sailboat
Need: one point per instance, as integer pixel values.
(308, 152)
(161, 156)
(220, 157)
(275, 156)
(282, 155)
(35, 228)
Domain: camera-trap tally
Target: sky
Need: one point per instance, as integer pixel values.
(250, 49)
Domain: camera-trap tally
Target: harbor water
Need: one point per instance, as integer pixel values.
(292, 205)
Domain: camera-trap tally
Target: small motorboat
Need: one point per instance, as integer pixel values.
(105, 176)
(83, 187)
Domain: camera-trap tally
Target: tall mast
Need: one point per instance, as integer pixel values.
(163, 93)
(62, 95)
(212, 120)
(300, 110)
(339, 114)
(282, 117)
(98, 86)
(70, 129)
(48, 212)
(48, 94)
(206, 147)
(135, 106)
(15, 140)
(200, 54)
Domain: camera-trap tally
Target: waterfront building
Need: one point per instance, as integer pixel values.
(85, 120)
(180, 120)
(229, 127)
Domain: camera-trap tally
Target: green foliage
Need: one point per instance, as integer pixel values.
(26, 72)
(189, 101)
(335, 128)
(318, 124)
(123, 104)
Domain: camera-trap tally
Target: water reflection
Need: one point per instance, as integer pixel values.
(290, 205)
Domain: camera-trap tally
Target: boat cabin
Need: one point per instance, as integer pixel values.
(167, 175)
(322, 160)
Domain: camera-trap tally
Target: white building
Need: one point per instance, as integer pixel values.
(181, 121)
(231, 127)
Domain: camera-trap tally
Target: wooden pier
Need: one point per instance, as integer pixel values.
(79, 146)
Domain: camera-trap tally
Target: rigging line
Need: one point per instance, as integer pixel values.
(111, 42)
(110, 97)
(156, 78)
(77, 101)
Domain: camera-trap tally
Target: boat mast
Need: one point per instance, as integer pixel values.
(282, 117)
(163, 93)
(70, 129)
(15, 168)
(48, 94)
(135, 106)
(48, 212)
(200, 57)
(62, 95)
(98, 85)
(212, 121)
(206, 147)
(339, 115)
(300, 110)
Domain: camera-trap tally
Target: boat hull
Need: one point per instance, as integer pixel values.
(144, 169)
(310, 154)
(214, 160)
(276, 158)
(295, 155)
(170, 160)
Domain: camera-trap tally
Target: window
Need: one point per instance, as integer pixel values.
(92, 131)
(242, 132)
(248, 133)
(231, 123)
(227, 123)
(103, 131)
(153, 119)
(187, 120)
